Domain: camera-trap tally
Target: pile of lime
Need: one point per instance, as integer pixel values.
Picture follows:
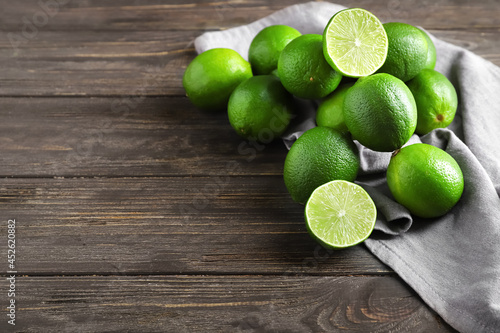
(376, 84)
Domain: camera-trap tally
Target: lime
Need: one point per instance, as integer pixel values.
(260, 108)
(212, 76)
(380, 112)
(340, 214)
(267, 45)
(319, 156)
(303, 69)
(407, 54)
(436, 100)
(355, 42)
(430, 62)
(330, 112)
(425, 179)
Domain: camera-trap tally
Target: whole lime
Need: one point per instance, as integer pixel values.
(267, 45)
(303, 69)
(407, 54)
(319, 156)
(380, 112)
(430, 62)
(331, 110)
(212, 76)
(425, 179)
(260, 108)
(436, 100)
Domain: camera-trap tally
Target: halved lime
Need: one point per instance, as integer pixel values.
(340, 214)
(355, 42)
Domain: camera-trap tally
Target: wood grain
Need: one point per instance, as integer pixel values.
(183, 304)
(128, 15)
(47, 137)
(201, 225)
(91, 63)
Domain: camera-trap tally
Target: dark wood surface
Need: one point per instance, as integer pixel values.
(229, 303)
(135, 211)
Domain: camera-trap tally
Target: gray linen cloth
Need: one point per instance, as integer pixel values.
(452, 262)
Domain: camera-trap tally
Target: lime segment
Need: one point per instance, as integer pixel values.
(340, 214)
(355, 42)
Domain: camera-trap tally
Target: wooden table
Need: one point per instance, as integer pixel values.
(134, 210)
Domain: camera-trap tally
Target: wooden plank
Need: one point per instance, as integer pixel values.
(92, 63)
(207, 15)
(47, 137)
(223, 225)
(183, 304)
(82, 63)
(483, 43)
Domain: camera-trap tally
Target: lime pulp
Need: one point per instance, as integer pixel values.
(340, 214)
(355, 42)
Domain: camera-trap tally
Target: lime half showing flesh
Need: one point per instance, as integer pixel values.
(355, 42)
(340, 214)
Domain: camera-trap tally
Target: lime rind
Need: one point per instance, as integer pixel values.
(355, 42)
(340, 214)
